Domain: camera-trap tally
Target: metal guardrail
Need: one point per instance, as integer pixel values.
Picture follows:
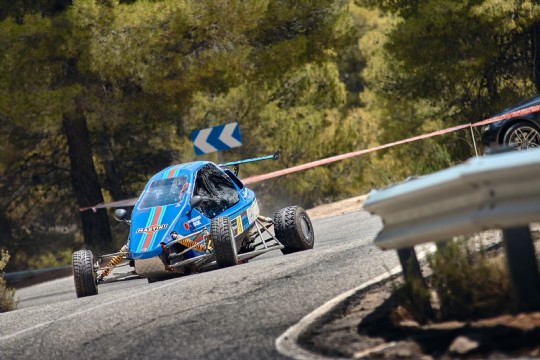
(20, 279)
(496, 191)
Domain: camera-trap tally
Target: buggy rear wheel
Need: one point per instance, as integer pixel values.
(293, 229)
(83, 273)
(223, 241)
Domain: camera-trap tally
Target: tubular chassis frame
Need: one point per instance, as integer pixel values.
(260, 230)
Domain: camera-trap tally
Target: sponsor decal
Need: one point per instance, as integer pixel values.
(234, 227)
(151, 229)
(154, 219)
(239, 227)
(210, 246)
(253, 212)
(186, 226)
(196, 221)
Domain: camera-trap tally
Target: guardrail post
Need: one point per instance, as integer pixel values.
(410, 265)
(522, 267)
(411, 270)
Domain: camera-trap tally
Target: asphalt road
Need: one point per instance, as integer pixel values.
(233, 313)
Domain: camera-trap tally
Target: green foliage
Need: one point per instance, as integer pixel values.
(469, 284)
(296, 114)
(60, 257)
(17, 9)
(440, 64)
(311, 78)
(31, 91)
(176, 48)
(141, 74)
(402, 7)
(37, 201)
(7, 300)
(464, 51)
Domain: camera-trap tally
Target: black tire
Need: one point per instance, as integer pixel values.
(293, 229)
(83, 273)
(522, 135)
(223, 241)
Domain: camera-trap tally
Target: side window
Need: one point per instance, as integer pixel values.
(216, 189)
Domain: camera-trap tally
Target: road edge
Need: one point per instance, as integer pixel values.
(287, 343)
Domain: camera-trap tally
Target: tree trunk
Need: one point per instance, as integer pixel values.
(535, 42)
(95, 225)
(113, 182)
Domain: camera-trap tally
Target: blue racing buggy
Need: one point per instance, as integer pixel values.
(192, 217)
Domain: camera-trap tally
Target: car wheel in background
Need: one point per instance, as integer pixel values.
(522, 135)
(293, 229)
(223, 241)
(83, 273)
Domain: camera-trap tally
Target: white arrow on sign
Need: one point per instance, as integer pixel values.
(201, 142)
(226, 135)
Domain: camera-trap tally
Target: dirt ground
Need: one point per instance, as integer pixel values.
(363, 328)
(337, 208)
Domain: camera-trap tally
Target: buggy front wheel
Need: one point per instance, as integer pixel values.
(223, 241)
(83, 273)
(293, 229)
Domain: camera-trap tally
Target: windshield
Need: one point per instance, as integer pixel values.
(165, 192)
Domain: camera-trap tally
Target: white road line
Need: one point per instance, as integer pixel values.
(20, 332)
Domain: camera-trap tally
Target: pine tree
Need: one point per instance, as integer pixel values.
(102, 88)
(446, 63)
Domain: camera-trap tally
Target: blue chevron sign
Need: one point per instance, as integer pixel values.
(217, 138)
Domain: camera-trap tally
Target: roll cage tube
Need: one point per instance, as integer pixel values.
(216, 190)
(236, 164)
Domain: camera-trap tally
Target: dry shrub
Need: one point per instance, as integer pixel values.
(469, 284)
(7, 295)
(412, 295)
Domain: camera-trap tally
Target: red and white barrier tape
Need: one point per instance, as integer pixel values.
(332, 159)
(526, 111)
(254, 179)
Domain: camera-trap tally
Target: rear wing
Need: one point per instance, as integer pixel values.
(236, 164)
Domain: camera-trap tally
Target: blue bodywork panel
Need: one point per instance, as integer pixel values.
(164, 206)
